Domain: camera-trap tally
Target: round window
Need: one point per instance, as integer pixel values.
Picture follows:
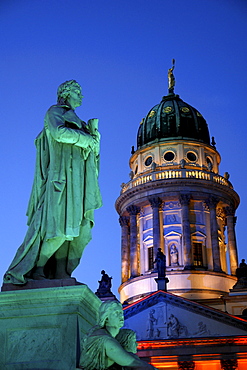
(148, 161)
(209, 160)
(169, 156)
(191, 156)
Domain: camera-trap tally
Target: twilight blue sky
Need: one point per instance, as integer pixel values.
(119, 51)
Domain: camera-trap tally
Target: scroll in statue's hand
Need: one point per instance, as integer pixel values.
(92, 125)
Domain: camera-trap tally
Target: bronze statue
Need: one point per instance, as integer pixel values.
(65, 193)
(160, 261)
(171, 78)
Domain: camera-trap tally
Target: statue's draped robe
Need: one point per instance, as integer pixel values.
(64, 195)
(93, 356)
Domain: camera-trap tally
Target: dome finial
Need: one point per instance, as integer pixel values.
(171, 78)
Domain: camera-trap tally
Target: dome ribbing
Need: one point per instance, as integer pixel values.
(172, 119)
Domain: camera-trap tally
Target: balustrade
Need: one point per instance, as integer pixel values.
(176, 174)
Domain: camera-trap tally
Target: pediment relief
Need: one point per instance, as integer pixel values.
(165, 316)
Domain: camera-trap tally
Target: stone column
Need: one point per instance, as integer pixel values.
(231, 236)
(133, 211)
(125, 247)
(184, 200)
(212, 203)
(155, 204)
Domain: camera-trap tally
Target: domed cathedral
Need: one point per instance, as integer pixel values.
(182, 290)
(176, 200)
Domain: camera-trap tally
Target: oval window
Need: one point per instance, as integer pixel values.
(209, 160)
(169, 156)
(148, 161)
(191, 156)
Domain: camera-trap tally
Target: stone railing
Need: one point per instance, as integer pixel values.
(175, 174)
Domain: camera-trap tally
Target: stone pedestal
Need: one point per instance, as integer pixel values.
(42, 329)
(162, 283)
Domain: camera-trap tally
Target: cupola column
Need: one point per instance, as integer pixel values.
(212, 203)
(125, 247)
(155, 204)
(231, 236)
(184, 200)
(133, 211)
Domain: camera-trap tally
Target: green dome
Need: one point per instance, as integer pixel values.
(172, 119)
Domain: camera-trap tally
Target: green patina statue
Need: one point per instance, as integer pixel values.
(64, 196)
(107, 346)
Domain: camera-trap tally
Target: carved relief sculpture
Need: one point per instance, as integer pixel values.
(151, 322)
(175, 329)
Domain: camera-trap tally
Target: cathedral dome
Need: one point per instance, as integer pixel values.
(172, 119)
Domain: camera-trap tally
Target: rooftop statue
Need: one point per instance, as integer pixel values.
(64, 195)
(241, 273)
(107, 346)
(171, 78)
(160, 262)
(105, 284)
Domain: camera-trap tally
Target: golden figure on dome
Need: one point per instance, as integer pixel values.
(171, 78)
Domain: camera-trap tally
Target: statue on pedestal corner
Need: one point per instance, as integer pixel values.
(107, 346)
(64, 195)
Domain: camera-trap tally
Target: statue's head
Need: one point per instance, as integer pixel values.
(110, 311)
(69, 93)
(127, 339)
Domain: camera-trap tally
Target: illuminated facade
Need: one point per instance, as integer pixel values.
(176, 200)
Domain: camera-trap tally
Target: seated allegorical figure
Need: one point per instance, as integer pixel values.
(101, 348)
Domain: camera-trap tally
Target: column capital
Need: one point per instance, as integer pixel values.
(124, 221)
(184, 199)
(229, 210)
(155, 202)
(133, 210)
(212, 201)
